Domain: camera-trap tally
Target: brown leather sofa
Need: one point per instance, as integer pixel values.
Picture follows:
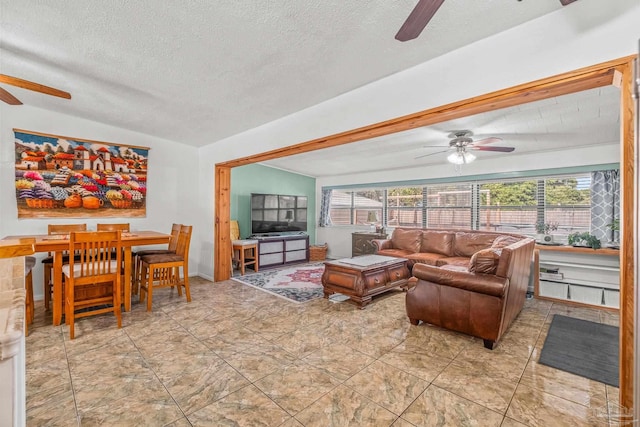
(438, 247)
(468, 281)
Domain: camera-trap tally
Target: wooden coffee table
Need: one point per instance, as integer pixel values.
(363, 277)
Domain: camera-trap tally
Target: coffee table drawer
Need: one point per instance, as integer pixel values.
(375, 279)
(343, 279)
(397, 273)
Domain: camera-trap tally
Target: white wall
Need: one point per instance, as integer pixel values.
(172, 178)
(586, 33)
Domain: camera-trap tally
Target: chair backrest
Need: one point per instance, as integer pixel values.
(65, 229)
(235, 230)
(175, 234)
(184, 241)
(112, 227)
(100, 255)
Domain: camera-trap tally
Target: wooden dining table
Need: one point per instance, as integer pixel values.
(59, 243)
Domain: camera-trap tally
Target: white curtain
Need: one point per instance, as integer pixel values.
(605, 204)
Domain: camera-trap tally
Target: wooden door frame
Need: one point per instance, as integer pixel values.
(616, 72)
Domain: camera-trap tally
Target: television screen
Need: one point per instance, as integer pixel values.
(278, 213)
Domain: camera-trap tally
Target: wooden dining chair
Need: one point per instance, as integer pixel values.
(29, 315)
(113, 227)
(163, 270)
(48, 260)
(124, 227)
(99, 263)
(171, 249)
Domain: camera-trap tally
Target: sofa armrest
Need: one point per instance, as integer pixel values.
(382, 244)
(487, 284)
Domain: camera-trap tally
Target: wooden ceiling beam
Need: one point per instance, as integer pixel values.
(586, 78)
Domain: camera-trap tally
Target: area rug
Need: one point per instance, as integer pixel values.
(298, 283)
(583, 348)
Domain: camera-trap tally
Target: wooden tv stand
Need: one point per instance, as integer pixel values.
(276, 251)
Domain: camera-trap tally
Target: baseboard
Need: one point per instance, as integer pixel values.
(204, 276)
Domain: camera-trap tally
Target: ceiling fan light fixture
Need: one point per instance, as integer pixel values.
(461, 157)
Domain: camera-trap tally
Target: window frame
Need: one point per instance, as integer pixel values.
(475, 208)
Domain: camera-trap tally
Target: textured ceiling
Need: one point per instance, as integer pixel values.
(198, 71)
(572, 121)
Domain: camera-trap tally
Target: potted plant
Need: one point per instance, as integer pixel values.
(615, 235)
(585, 239)
(544, 229)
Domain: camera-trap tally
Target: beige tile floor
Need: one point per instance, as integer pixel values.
(237, 356)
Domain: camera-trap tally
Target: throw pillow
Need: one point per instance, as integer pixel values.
(408, 240)
(485, 261)
(503, 241)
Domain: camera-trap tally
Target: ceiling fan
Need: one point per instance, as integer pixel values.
(422, 14)
(25, 84)
(462, 142)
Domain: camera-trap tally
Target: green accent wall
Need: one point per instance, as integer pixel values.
(263, 179)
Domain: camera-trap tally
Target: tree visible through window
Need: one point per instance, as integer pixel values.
(568, 204)
(508, 206)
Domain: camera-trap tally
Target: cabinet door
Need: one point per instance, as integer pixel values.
(362, 245)
(295, 255)
(271, 259)
(271, 247)
(295, 245)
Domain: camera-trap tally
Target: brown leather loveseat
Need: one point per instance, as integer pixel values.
(474, 282)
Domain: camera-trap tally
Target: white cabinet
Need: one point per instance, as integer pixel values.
(578, 275)
(274, 251)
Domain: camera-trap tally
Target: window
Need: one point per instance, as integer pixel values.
(352, 207)
(404, 207)
(567, 203)
(509, 206)
(500, 205)
(449, 206)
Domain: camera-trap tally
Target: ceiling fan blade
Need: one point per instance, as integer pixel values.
(418, 19)
(8, 98)
(566, 2)
(25, 84)
(430, 154)
(501, 149)
(484, 141)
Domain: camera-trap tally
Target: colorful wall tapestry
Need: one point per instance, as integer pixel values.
(61, 177)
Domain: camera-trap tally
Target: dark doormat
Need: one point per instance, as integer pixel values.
(583, 348)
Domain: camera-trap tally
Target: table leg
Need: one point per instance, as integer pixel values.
(58, 299)
(127, 278)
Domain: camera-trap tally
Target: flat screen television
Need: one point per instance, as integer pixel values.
(278, 213)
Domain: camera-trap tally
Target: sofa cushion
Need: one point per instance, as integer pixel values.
(408, 240)
(485, 261)
(485, 284)
(467, 244)
(425, 258)
(439, 242)
(502, 241)
(400, 253)
(453, 260)
(453, 267)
